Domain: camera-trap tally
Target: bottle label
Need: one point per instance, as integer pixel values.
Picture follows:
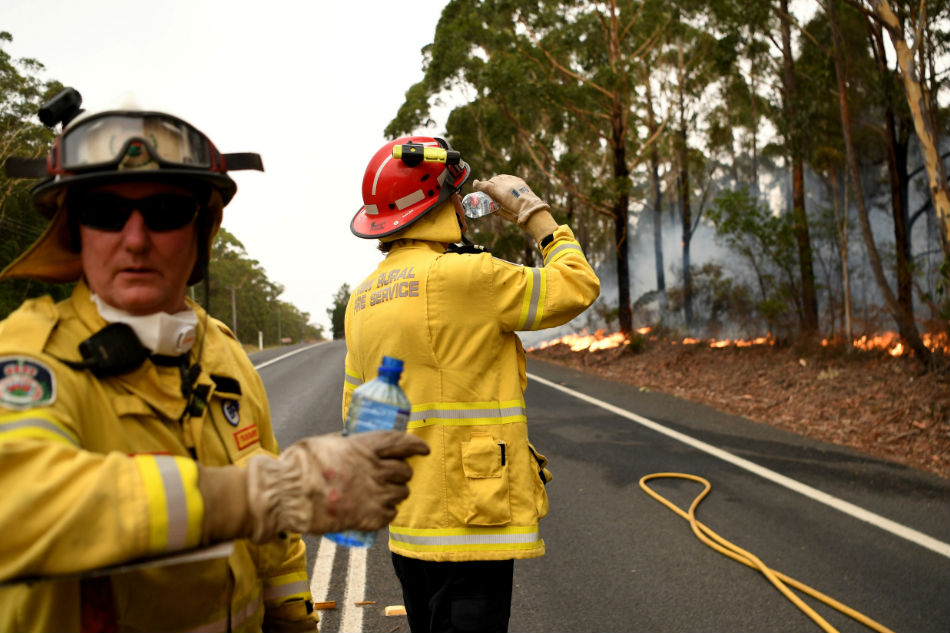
(478, 204)
(379, 416)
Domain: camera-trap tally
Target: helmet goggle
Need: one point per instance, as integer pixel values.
(131, 140)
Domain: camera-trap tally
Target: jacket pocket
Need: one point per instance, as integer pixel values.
(540, 466)
(485, 464)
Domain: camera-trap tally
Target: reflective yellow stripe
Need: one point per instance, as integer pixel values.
(532, 304)
(528, 300)
(174, 503)
(352, 378)
(35, 424)
(467, 413)
(542, 294)
(292, 585)
(560, 250)
(465, 539)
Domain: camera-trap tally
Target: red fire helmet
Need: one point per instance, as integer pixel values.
(399, 191)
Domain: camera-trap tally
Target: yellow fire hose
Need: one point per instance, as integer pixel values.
(724, 547)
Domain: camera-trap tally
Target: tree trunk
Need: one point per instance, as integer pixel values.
(809, 301)
(622, 178)
(897, 170)
(924, 120)
(657, 196)
(907, 329)
(841, 223)
(899, 180)
(682, 181)
(686, 217)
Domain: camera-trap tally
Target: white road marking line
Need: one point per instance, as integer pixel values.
(352, 619)
(322, 569)
(283, 356)
(857, 512)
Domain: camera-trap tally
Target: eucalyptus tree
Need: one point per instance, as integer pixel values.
(549, 86)
(22, 93)
(689, 58)
(242, 295)
(880, 128)
(760, 84)
(823, 146)
(337, 312)
(905, 324)
(795, 113)
(920, 36)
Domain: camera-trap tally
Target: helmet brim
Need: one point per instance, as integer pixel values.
(47, 198)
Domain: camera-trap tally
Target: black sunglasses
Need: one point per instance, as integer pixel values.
(109, 212)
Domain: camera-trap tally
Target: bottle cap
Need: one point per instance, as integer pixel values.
(392, 366)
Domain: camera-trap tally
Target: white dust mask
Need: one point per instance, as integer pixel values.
(162, 333)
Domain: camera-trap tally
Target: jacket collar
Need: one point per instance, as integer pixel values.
(152, 383)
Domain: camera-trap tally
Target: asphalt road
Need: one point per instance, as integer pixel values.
(870, 534)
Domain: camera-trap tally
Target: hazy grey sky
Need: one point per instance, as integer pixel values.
(308, 85)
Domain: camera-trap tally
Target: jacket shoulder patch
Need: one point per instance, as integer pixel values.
(25, 383)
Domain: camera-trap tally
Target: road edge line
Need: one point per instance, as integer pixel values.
(283, 356)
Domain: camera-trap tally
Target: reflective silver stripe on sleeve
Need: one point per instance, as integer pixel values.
(529, 321)
(467, 414)
(466, 539)
(39, 423)
(175, 504)
(300, 586)
(560, 249)
(353, 380)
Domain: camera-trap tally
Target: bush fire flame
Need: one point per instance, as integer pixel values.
(885, 341)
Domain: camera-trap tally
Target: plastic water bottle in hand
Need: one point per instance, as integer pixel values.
(478, 204)
(378, 405)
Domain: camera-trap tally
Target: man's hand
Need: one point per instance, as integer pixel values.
(320, 484)
(514, 197)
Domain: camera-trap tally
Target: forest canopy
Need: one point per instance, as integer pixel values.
(731, 168)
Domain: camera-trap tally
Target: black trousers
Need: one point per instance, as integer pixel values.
(455, 597)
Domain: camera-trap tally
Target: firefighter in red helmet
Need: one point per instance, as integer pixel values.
(133, 427)
(453, 315)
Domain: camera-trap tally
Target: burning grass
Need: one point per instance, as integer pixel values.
(881, 342)
(868, 397)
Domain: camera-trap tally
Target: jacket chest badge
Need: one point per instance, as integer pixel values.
(246, 436)
(231, 411)
(25, 383)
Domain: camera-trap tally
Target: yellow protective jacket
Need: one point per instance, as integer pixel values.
(452, 319)
(97, 472)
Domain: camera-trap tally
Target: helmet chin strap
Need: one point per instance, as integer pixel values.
(465, 245)
(197, 401)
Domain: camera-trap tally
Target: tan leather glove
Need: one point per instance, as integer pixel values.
(320, 484)
(514, 197)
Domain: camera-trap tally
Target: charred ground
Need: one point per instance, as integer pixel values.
(882, 405)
